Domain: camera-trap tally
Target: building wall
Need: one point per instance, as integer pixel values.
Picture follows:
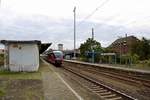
(123, 45)
(23, 57)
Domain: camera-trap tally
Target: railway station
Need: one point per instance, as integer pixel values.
(74, 50)
(72, 79)
(56, 87)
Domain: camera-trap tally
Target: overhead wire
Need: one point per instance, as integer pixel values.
(96, 9)
(93, 12)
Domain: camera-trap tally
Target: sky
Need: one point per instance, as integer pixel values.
(52, 20)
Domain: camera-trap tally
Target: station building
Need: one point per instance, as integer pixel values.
(123, 45)
(21, 55)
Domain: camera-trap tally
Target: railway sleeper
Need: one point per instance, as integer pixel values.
(109, 96)
(105, 93)
(101, 91)
(95, 88)
(93, 85)
(115, 98)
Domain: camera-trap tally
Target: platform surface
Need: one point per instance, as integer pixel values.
(112, 67)
(55, 88)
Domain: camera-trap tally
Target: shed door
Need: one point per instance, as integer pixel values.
(23, 57)
(14, 57)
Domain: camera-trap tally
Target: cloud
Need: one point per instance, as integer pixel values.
(48, 29)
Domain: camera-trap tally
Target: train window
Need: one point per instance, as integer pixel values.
(58, 54)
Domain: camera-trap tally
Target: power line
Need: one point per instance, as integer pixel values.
(107, 21)
(96, 9)
(0, 3)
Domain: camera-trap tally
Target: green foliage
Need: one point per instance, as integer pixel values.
(107, 59)
(108, 50)
(142, 49)
(129, 59)
(2, 93)
(148, 63)
(1, 59)
(88, 46)
(126, 59)
(145, 63)
(135, 58)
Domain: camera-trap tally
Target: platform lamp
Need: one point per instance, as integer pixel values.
(74, 10)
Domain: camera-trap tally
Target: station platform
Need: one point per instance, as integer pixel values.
(112, 67)
(55, 88)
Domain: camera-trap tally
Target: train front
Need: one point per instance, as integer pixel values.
(58, 57)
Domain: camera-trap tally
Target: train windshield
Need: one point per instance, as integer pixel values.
(58, 54)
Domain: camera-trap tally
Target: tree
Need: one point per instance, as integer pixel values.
(142, 49)
(88, 46)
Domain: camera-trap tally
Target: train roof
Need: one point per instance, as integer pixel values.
(57, 51)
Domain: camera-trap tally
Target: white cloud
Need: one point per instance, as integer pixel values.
(52, 20)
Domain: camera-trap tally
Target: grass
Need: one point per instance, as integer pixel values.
(1, 59)
(30, 83)
(20, 75)
(141, 66)
(23, 75)
(3, 85)
(31, 94)
(2, 93)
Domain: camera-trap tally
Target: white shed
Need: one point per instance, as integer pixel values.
(21, 55)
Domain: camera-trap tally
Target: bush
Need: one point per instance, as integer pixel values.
(145, 63)
(135, 59)
(85, 59)
(148, 63)
(129, 59)
(1, 59)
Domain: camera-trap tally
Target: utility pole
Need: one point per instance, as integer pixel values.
(0, 3)
(93, 33)
(74, 32)
(93, 45)
(125, 46)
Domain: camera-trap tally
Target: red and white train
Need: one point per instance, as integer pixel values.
(54, 57)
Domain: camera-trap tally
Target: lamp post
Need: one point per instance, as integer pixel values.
(0, 3)
(74, 32)
(93, 46)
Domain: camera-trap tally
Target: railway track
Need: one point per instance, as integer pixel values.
(129, 78)
(105, 92)
(125, 77)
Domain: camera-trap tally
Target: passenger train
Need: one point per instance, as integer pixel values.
(55, 57)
